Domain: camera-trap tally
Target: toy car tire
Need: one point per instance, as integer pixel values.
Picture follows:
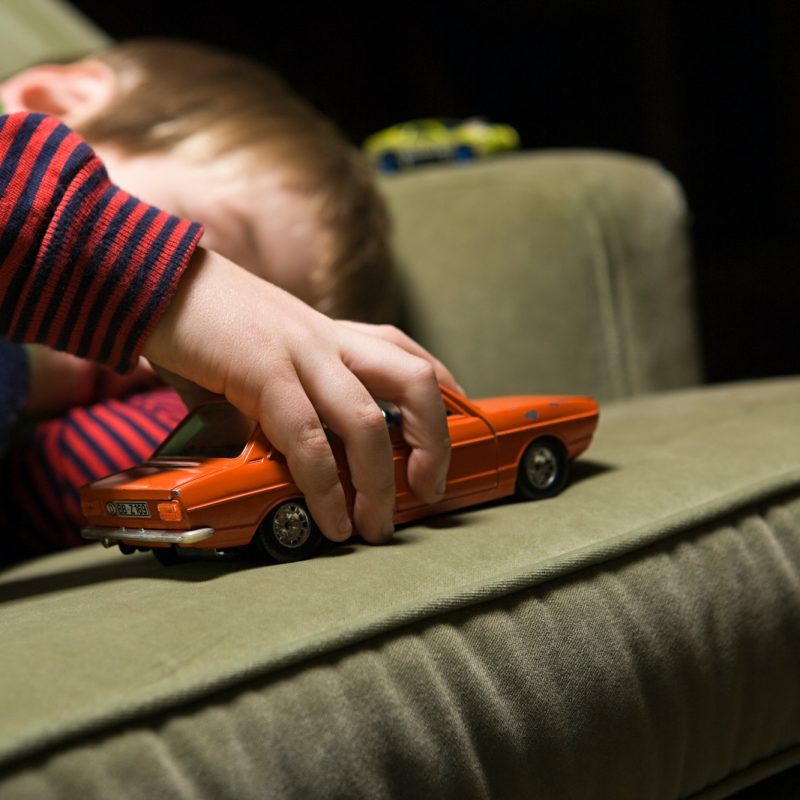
(389, 162)
(288, 533)
(543, 469)
(166, 556)
(464, 152)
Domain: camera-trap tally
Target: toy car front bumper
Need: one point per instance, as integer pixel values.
(112, 536)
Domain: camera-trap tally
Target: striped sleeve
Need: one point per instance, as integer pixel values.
(84, 266)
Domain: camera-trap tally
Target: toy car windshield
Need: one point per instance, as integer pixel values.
(213, 430)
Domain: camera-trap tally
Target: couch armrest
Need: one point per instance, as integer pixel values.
(549, 271)
(44, 30)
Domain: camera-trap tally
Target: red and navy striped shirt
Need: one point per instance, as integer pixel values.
(87, 268)
(84, 266)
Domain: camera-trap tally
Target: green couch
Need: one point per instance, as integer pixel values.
(637, 636)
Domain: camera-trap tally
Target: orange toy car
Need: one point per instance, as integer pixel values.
(216, 483)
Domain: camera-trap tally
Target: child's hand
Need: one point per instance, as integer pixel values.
(293, 369)
(394, 335)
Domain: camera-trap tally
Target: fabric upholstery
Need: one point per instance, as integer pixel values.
(636, 636)
(562, 271)
(40, 30)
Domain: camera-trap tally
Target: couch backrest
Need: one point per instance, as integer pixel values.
(552, 271)
(38, 30)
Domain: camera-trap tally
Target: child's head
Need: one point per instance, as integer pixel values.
(220, 138)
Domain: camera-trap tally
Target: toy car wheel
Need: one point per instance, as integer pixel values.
(389, 162)
(464, 152)
(166, 556)
(288, 533)
(543, 470)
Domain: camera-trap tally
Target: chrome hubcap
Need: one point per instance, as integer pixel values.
(291, 525)
(541, 467)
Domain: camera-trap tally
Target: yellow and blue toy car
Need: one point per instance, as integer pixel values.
(431, 139)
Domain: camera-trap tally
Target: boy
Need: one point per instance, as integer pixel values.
(222, 140)
(215, 136)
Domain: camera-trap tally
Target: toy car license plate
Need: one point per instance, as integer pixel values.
(131, 509)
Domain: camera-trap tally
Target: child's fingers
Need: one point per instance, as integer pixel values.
(353, 415)
(291, 423)
(391, 373)
(392, 334)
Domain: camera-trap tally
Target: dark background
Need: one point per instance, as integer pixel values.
(710, 90)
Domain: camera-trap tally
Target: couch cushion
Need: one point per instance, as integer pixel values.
(566, 270)
(637, 636)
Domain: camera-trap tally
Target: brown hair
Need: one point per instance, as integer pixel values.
(206, 102)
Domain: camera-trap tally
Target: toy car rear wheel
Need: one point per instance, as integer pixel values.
(166, 556)
(543, 469)
(288, 533)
